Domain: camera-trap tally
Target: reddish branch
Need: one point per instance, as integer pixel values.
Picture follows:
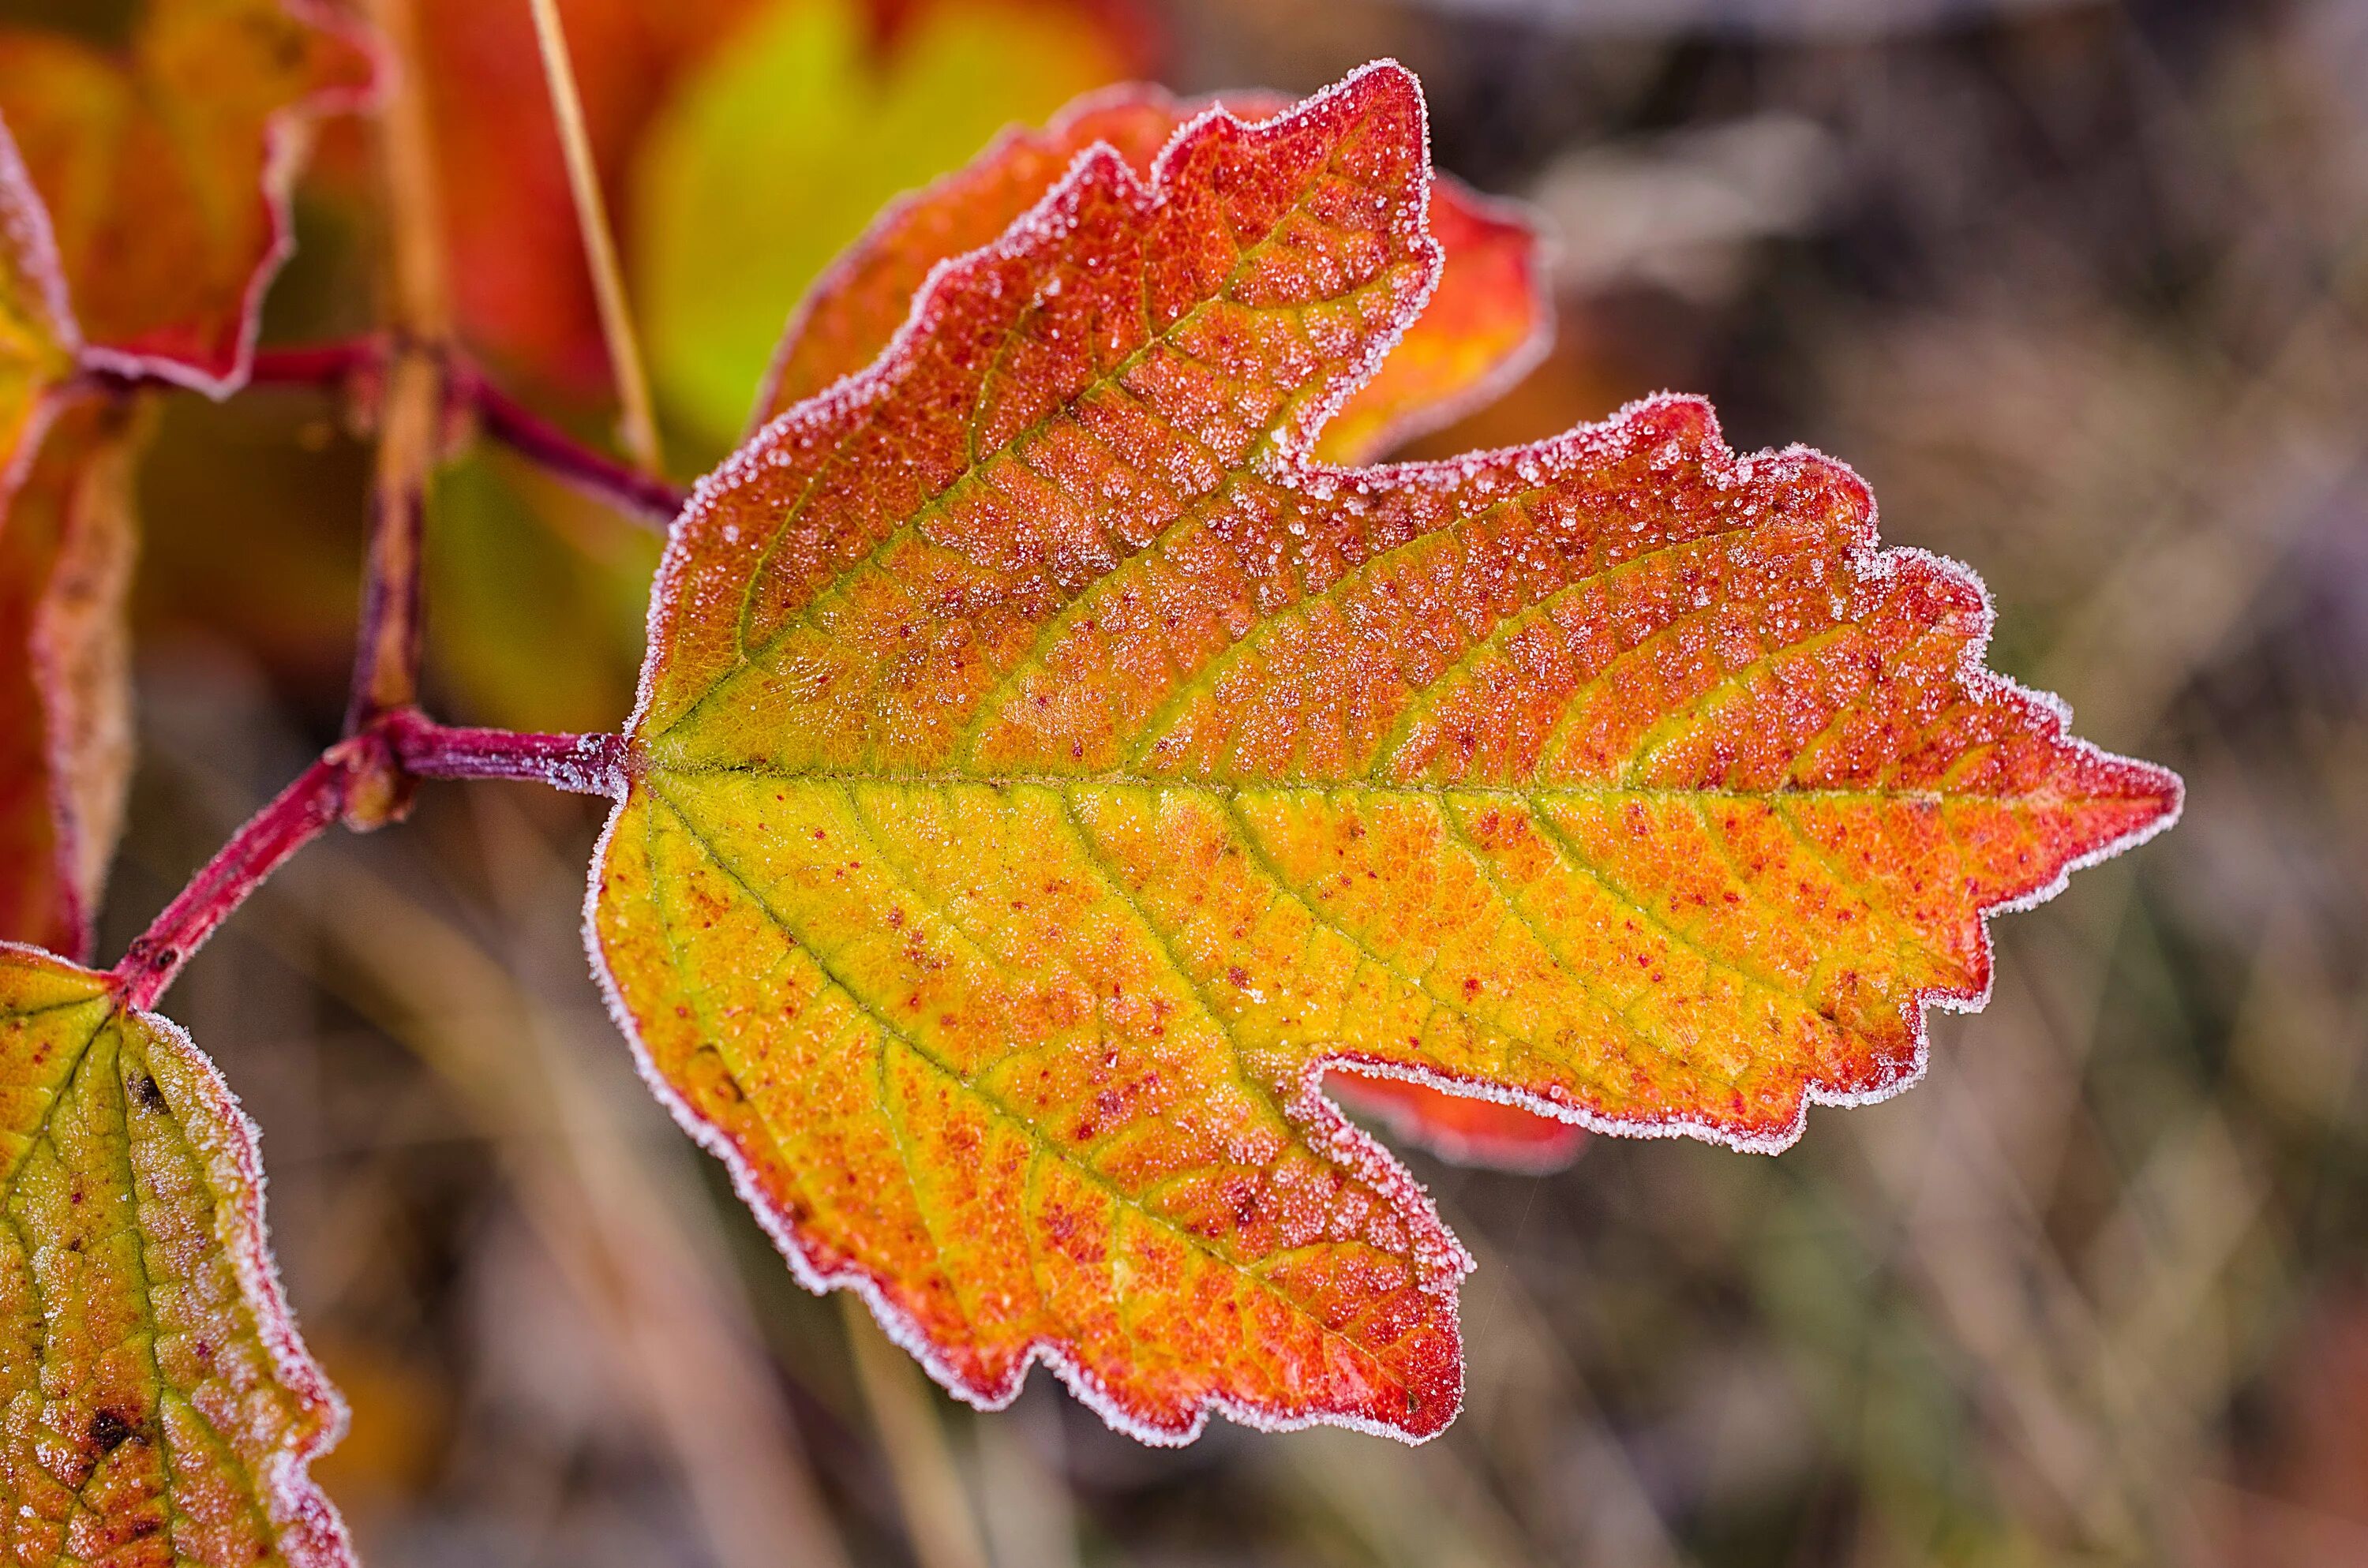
(643, 496)
(592, 473)
(403, 744)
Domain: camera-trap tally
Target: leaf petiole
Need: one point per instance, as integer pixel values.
(405, 743)
(643, 497)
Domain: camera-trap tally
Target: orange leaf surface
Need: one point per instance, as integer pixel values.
(161, 1406)
(1486, 322)
(165, 166)
(1045, 770)
(67, 538)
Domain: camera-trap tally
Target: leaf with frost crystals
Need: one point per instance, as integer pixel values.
(1486, 321)
(1045, 770)
(161, 1406)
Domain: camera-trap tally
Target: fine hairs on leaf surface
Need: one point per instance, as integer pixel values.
(1044, 768)
(1061, 778)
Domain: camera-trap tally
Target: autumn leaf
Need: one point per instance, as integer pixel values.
(1485, 324)
(1486, 321)
(161, 1406)
(1045, 770)
(67, 538)
(783, 144)
(165, 166)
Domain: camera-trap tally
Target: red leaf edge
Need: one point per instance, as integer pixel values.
(286, 140)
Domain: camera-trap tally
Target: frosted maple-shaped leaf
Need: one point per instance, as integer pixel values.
(1045, 769)
(162, 1408)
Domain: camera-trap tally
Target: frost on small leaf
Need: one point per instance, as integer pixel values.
(1045, 771)
(164, 167)
(161, 1408)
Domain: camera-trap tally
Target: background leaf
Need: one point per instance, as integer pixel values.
(165, 163)
(1464, 1128)
(1047, 771)
(799, 102)
(162, 1408)
(38, 335)
(67, 538)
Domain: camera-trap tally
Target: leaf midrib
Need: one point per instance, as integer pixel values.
(948, 778)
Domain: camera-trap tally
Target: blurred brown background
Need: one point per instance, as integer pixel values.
(2082, 288)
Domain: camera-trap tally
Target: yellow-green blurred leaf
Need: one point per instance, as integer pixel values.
(772, 159)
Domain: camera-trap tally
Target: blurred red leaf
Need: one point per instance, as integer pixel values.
(1464, 1128)
(67, 536)
(165, 166)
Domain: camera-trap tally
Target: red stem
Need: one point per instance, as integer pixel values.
(582, 765)
(292, 820)
(540, 442)
(315, 365)
(415, 746)
(606, 480)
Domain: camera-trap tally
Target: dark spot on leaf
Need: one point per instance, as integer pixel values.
(150, 1097)
(109, 1431)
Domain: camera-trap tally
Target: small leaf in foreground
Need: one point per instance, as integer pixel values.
(161, 1406)
(67, 538)
(165, 167)
(1044, 772)
(1486, 323)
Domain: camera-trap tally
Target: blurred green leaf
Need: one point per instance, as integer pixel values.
(774, 156)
